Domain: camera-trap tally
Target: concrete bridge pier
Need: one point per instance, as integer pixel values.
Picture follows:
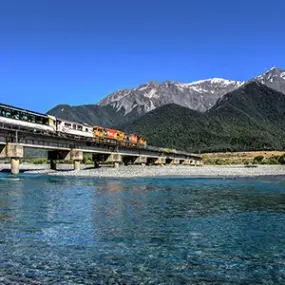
(173, 161)
(156, 160)
(76, 156)
(142, 160)
(138, 160)
(15, 165)
(194, 162)
(76, 165)
(15, 152)
(53, 164)
(53, 156)
(115, 159)
(160, 161)
(199, 162)
(186, 162)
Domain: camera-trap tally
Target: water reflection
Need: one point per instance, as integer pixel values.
(164, 231)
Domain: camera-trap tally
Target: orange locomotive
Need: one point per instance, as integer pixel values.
(117, 136)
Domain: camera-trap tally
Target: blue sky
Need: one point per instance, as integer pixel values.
(77, 52)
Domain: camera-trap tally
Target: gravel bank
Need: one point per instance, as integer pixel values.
(185, 171)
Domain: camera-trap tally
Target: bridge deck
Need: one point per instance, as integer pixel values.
(48, 142)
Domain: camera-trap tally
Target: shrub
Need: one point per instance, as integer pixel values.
(258, 159)
(39, 161)
(272, 160)
(281, 159)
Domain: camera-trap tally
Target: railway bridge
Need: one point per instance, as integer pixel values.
(13, 144)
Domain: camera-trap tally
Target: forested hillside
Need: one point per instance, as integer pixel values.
(250, 118)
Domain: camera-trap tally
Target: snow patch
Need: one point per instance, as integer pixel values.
(222, 81)
(198, 89)
(151, 93)
(142, 88)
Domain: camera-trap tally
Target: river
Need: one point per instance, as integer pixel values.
(62, 230)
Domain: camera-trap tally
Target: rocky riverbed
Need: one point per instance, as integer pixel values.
(156, 171)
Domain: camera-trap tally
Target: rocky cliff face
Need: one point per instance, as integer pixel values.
(273, 78)
(200, 95)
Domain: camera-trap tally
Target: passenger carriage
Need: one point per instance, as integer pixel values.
(68, 128)
(22, 119)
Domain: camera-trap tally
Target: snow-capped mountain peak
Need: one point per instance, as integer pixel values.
(199, 95)
(274, 78)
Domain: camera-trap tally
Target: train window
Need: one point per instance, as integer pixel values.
(23, 117)
(74, 126)
(15, 115)
(32, 119)
(79, 128)
(3, 112)
(86, 130)
(46, 122)
(67, 125)
(39, 120)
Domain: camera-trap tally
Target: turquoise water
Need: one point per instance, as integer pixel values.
(56, 230)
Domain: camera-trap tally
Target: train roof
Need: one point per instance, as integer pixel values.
(113, 130)
(73, 122)
(40, 114)
(24, 110)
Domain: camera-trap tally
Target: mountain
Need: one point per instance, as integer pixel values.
(251, 117)
(200, 95)
(128, 104)
(178, 127)
(273, 78)
(105, 116)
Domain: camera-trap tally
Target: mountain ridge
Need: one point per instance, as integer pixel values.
(152, 94)
(128, 104)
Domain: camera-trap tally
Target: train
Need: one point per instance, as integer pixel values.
(23, 119)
